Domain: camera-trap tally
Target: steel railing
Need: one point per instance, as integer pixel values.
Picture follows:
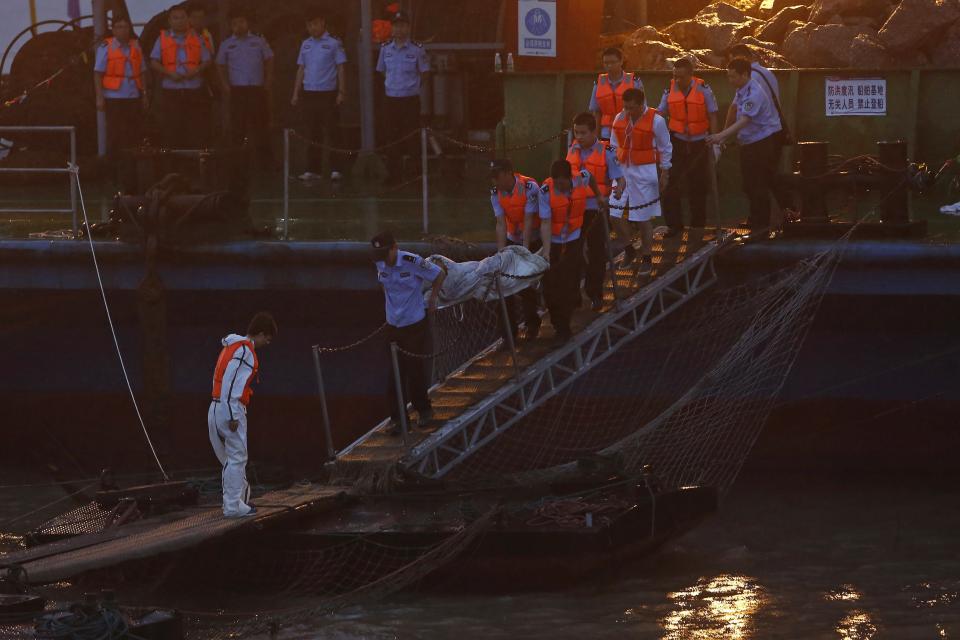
(65, 170)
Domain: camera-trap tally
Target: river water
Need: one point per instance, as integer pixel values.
(787, 556)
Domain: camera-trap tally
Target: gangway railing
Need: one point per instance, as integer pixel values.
(464, 435)
(64, 170)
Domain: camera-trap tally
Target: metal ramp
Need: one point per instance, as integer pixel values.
(57, 561)
(475, 405)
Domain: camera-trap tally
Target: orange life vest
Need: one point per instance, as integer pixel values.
(514, 205)
(610, 100)
(117, 64)
(169, 48)
(226, 355)
(596, 164)
(207, 38)
(567, 211)
(636, 145)
(382, 30)
(688, 113)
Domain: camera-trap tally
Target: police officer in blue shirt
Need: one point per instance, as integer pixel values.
(402, 276)
(180, 59)
(121, 89)
(756, 129)
(404, 64)
(321, 80)
(245, 64)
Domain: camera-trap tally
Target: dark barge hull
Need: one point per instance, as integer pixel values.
(883, 352)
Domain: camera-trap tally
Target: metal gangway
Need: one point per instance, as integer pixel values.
(499, 386)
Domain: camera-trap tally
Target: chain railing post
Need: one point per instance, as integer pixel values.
(398, 386)
(424, 179)
(714, 192)
(327, 435)
(286, 184)
(507, 326)
(73, 182)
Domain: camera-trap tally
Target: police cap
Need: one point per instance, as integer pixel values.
(381, 243)
(400, 16)
(502, 165)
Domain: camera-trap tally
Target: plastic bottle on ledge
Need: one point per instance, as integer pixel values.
(510, 63)
(497, 63)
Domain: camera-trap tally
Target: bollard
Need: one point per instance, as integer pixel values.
(894, 207)
(398, 386)
(813, 163)
(327, 436)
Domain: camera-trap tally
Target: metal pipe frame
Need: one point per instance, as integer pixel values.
(398, 385)
(321, 389)
(479, 425)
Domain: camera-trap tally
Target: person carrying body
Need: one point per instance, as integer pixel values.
(402, 276)
(691, 107)
(588, 152)
(321, 84)
(642, 144)
(756, 129)
(120, 84)
(606, 101)
(180, 58)
(404, 65)
(236, 370)
(515, 200)
(245, 65)
(563, 198)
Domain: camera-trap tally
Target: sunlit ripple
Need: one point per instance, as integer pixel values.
(843, 593)
(857, 625)
(716, 608)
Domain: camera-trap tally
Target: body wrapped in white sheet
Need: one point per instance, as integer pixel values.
(474, 279)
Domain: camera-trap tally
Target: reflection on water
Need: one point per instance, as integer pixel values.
(845, 592)
(857, 625)
(714, 609)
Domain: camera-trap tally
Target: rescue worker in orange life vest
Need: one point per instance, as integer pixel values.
(691, 107)
(120, 84)
(587, 152)
(235, 372)
(606, 101)
(563, 198)
(180, 58)
(642, 143)
(515, 199)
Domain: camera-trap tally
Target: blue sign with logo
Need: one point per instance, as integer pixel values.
(537, 28)
(537, 21)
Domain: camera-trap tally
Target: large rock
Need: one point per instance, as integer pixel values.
(776, 27)
(866, 52)
(721, 12)
(708, 33)
(821, 46)
(649, 55)
(824, 10)
(707, 59)
(916, 23)
(947, 52)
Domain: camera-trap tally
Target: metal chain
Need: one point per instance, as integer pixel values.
(484, 149)
(354, 152)
(693, 165)
(352, 345)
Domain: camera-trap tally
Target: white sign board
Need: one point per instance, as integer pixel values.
(856, 96)
(537, 22)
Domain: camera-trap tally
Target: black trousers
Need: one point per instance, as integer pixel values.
(321, 115)
(401, 116)
(124, 118)
(186, 118)
(249, 116)
(414, 338)
(690, 174)
(527, 300)
(758, 166)
(561, 285)
(596, 239)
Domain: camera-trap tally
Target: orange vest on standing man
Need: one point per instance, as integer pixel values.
(117, 61)
(596, 164)
(688, 113)
(226, 355)
(514, 205)
(169, 48)
(610, 100)
(567, 211)
(636, 143)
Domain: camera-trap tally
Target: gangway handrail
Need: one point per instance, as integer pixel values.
(41, 170)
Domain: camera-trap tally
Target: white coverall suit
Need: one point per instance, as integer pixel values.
(231, 446)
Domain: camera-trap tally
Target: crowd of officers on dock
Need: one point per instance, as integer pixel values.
(185, 55)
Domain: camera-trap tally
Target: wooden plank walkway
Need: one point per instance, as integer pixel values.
(486, 375)
(147, 538)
